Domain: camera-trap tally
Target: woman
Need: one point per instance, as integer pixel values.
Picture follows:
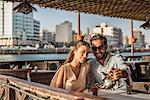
(73, 74)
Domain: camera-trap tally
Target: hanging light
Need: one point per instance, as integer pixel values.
(146, 25)
(25, 7)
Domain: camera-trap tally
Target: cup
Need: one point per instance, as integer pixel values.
(95, 90)
(129, 89)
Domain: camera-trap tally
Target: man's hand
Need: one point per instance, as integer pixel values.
(115, 74)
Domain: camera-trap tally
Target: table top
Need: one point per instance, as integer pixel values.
(122, 95)
(43, 71)
(137, 62)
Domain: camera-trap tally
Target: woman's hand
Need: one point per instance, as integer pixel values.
(79, 37)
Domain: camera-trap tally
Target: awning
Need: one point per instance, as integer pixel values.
(127, 9)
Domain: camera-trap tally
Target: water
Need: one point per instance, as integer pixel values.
(52, 57)
(136, 54)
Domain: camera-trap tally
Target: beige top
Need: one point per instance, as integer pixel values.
(70, 81)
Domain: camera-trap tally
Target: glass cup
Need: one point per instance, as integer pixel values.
(95, 90)
(129, 89)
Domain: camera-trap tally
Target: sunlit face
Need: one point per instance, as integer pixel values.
(81, 53)
(99, 48)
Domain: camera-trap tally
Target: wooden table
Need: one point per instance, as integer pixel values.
(122, 95)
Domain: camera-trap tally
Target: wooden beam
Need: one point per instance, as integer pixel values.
(79, 23)
(132, 38)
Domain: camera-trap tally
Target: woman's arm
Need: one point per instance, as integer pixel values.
(59, 80)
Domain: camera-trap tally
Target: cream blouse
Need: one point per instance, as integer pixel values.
(70, 81)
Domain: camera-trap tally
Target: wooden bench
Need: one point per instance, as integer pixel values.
(19, 73)
(42, 76)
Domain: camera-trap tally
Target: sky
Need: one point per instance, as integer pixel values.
(49, 18)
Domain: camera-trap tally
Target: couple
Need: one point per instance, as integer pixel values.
(77, 74)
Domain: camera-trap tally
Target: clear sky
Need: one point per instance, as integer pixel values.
(49, 18)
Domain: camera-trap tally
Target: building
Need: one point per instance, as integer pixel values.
(140, 38)
(16, 28)
(125, 40)
(64, 32)
(47, 37)
(88, 30)
(74, 36)
(113, 34)
(36, 37)
(87, 37)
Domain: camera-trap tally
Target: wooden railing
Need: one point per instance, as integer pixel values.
(137, 57)
(12, 88)
(38, 76)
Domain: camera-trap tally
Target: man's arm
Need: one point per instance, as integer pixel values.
(123, 71)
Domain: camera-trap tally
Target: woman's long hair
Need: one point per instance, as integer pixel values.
(77, 45)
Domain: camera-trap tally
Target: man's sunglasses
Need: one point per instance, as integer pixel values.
(99, 48)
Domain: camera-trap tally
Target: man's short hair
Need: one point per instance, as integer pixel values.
(98, 37)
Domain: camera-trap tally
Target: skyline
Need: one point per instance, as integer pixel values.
(49, 18)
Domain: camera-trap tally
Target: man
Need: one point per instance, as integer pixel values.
(109, 71)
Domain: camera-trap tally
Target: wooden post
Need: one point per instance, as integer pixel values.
(132, 39)
(79, 35)
(79, 23)
(7, 93)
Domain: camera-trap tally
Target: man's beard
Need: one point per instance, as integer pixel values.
(99, 55)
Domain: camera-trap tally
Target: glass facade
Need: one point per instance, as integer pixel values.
(15, 25)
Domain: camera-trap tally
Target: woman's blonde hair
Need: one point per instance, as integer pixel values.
(77, 45)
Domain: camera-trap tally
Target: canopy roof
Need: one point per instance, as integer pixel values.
(127, 9)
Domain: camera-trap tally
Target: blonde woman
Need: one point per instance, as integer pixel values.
(73, 74)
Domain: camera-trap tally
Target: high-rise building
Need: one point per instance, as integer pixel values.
(139, 38)
(125, 40)
(36, 36)
(88, 30)
(6, 27)
(64, 32)
(113, 34)
(87, 37)
(74, 35)
(15, 28)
